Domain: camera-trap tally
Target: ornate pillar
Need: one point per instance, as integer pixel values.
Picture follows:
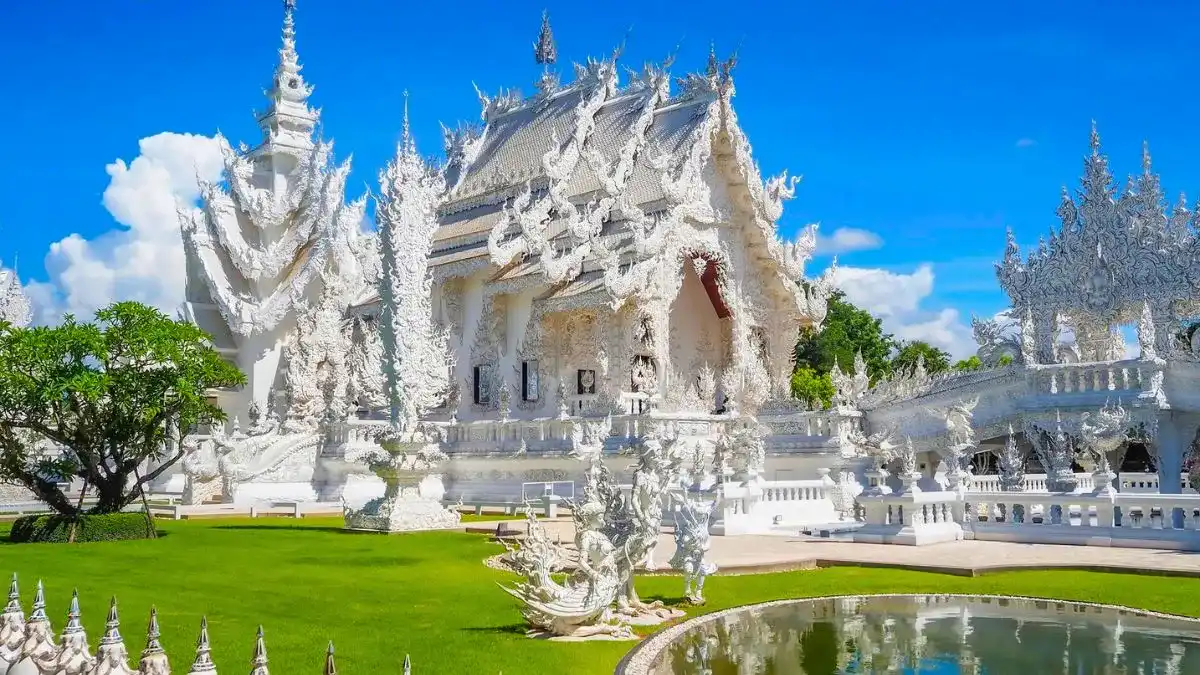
(1044, 320)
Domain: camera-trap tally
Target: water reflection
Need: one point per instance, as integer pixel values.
(934, 635)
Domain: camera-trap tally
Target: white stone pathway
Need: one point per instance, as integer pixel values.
(750, 553)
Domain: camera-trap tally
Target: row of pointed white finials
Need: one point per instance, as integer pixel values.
(37, 655)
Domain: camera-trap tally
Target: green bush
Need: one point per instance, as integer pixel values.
(94, 527)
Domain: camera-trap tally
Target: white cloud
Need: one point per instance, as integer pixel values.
(847, 239)
(897, 298)
(142, 259)
(1026, 143)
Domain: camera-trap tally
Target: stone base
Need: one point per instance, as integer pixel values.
(909, 535)
(402, 515)
(258, 492)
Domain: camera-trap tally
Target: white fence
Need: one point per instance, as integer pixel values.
(774, 505)
(41, 652)
(1140, 520)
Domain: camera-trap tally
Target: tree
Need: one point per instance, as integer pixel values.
(113, 394)
(912, 351)
(814, 389)
(970, 363)
(846, 331)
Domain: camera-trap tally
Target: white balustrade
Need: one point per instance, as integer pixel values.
(1131, 520)
(759, 508)
(1107, 377)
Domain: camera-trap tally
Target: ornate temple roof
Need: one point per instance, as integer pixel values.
(1113, 251)
(14, 304)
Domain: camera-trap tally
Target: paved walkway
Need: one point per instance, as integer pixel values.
(750, 553)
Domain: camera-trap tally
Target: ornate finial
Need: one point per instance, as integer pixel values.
(39, 605)
(330, 666)
(1095, 139)
(289, 5)
(406, 139)
(14, 596)
(545, 52)
(259, 662)
(1146, 158)
(203, 662)
(407, 665)
(73, 626)
(714, 67)
(112, 626)
(153, 646)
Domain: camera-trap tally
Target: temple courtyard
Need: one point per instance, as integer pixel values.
(429, 595)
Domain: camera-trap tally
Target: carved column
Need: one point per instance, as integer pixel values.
(1044, 320)
(1173, 437)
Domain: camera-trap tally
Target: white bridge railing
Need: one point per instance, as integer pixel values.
(1140, 520)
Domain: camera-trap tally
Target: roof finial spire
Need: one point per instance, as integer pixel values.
(545, 52)
(1095, 139)
(112, 626)
(713, 69)
(1146, 158)
(406, 139)
(73, 625)
(154, 657)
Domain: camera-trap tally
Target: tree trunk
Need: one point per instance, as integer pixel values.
(78, 513)
(151, 531)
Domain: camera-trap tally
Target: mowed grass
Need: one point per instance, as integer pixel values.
(429, 595)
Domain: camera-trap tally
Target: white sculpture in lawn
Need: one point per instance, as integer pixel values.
(416, 360)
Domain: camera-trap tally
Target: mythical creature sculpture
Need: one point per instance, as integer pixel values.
(996, 339)
(693, 519)
(1102, 434)
(1056, 450)
(741, 444)
(580, 607)
(1012, 465)
(656, 472)
(850, 387)
(962, 443)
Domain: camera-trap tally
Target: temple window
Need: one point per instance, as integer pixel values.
(530, 387)
(585, 382)
(483, 385)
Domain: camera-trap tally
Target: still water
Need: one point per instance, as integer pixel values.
(934, 635)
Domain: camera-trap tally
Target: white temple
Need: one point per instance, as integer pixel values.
(606, 265)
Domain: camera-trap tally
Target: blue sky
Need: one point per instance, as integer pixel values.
(932, 125)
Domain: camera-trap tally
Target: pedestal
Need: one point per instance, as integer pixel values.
(412, 500)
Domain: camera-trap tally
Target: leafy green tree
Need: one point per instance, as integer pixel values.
(815, 389)
(846, 331)
(970, 363)
(114, 394)
(1004, 360)
(936, 360)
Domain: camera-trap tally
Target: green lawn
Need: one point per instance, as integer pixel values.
(380, 597)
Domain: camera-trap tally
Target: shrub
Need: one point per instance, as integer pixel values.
(96, 527)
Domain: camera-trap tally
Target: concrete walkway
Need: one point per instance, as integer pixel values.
(750, 554)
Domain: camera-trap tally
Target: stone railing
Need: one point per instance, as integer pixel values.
(1136, 482)
(1033, 482)
(1105, 519)
(758, 508)
(1108, 378)
(31, 641)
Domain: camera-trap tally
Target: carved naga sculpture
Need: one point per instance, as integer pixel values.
(580, 607)
(692, 522)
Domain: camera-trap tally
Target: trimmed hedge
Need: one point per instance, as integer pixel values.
(91, 527)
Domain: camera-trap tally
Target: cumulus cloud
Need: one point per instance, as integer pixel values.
(897, 299)
(142, 258)
(847, 239)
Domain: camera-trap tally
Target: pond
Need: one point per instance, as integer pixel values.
(933, 635)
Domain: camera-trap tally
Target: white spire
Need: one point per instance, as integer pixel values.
(288, 122)
(203, 662)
